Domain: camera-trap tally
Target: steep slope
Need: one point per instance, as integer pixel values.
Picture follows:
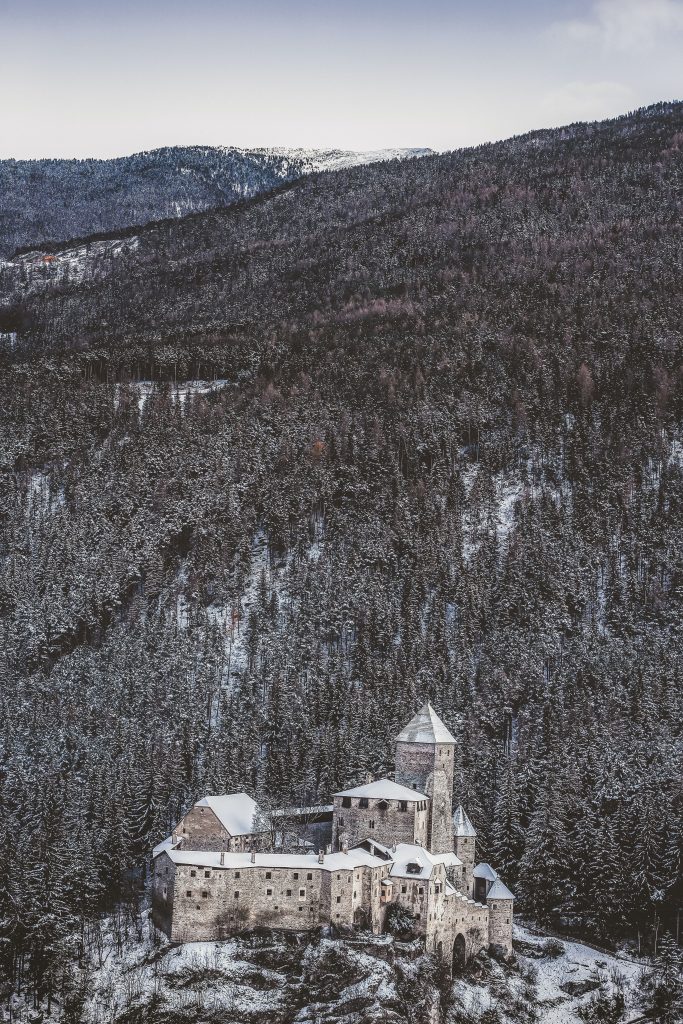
(273, 476)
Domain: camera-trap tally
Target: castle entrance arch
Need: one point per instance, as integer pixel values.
(459, 953)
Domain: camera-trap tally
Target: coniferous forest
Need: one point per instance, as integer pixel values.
(273, 475)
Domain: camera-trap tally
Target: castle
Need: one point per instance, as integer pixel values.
(395, 844)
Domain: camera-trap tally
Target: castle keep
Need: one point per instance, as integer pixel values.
(395, 843)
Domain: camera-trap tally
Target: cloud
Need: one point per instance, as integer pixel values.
(587, 101)
(625, 25)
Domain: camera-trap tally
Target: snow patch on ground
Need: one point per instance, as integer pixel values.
(77, 261)
(578, 963)
(481, 519)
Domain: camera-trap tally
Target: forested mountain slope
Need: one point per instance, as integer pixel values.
(438, 456)
(51, 200)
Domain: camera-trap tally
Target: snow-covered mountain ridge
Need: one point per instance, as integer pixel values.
(314, 160)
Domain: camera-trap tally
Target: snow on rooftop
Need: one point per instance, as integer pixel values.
(485, 871)
(235, 811)
(384, 789)
(425, 727)
(499, 891)
(303, 861)
(167, 844)
(407, 854)
(462, 825)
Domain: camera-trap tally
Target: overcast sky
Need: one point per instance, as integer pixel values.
(105, 78)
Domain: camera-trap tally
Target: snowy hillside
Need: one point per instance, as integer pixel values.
(134, 974)
(313, 160)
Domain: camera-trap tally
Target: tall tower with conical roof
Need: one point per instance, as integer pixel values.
(424, 761)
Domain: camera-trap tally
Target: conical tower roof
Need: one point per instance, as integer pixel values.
(462, 826)
(426, 727)
(499, 891)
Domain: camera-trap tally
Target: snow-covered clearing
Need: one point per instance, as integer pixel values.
(577, 964)
(484, 517)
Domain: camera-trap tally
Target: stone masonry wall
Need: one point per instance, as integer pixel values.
(416, 761)
(441, 812)
(200, 829)
(500, 924)
(465, 851)
(195, 903)
(385, 826)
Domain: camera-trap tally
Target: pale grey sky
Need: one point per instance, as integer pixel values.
(89, 78)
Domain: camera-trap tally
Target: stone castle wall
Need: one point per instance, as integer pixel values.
(200, 829)
(415, 762)
(465, 850)
(500, 924)
(441, 812)
(387, 826)
(210, 903)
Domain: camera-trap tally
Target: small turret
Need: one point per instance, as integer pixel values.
(500, 901)
(464, 844)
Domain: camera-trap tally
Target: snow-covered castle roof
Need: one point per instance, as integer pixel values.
(499, 891)
(235, 811)
(425, 727)
(462, 826)
(384, 789)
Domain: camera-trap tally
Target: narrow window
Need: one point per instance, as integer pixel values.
(403, 805)
(289, 892)
(363, 802)
(338, 899)
(296, 875)
(189, 892)
(346, 801)
(302, 892)
(372, 823)
(269, 892)
(309, 877)
(404, 888)
(205, 894)
(237, 895)
(207, 874)
(193, 874)
(269, 874)
(237, 874)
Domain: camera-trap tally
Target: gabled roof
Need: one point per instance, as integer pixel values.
(485, 871)
(499, 891)
(425, 727)
(166, 844)
(384, 789)
(462, 826)
(235, 811)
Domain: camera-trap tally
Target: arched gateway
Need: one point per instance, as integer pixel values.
(459, 953)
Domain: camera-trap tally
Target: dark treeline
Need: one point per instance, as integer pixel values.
(447, 463)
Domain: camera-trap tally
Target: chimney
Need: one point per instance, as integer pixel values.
(253, 855)
(222, 858)
(345, 845)
(321, 857)
(393, 848)
(328, 849)
(368, 778)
